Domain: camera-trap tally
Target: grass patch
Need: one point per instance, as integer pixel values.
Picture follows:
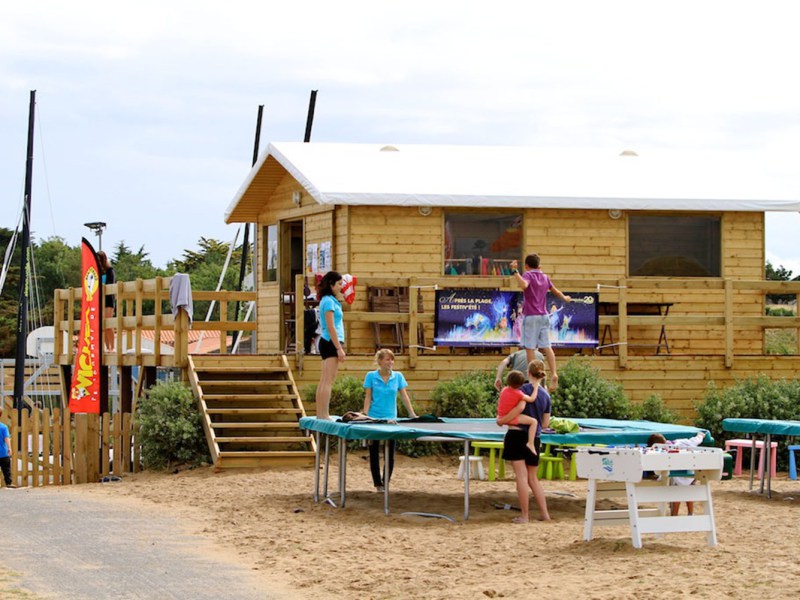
(781, 342)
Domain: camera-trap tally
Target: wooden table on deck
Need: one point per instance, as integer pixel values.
(635, 309)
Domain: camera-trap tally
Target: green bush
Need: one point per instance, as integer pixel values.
(171, 427)
(583, 393)
(653, 409)
(347, 393)
(779, 311)
(780, 341)
(471, 395)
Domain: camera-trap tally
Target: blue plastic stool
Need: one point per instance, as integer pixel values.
(792, 463)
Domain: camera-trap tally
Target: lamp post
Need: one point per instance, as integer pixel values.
(97, 227)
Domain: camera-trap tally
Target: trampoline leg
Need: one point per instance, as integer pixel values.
(467, 476)
(342, 471)
(386, 477)
(327, 464)
(317, 434)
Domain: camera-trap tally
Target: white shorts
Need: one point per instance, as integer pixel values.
(536, 331)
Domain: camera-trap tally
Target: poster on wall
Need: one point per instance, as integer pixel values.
(492, 318)
(324, 257)
(487, 318)
(574, 324)
(312, 258)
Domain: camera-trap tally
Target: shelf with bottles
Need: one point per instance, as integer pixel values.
(478, 265)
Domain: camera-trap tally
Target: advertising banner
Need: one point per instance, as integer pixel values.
(492, 318)
(84, 394)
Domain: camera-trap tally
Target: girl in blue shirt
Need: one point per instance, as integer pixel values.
(381, 388)
(331, 340)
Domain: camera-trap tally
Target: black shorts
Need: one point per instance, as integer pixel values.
(515, 447)
(327, 349)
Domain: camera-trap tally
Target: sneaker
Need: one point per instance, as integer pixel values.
(380, 489)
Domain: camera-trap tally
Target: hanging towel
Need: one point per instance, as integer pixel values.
(180, 295)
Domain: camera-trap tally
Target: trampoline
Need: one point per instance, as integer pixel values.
(607, 432)
(767, 428)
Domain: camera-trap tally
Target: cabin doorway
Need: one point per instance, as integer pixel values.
(292, 265)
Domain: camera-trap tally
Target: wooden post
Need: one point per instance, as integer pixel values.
(125, 450)
(126, 389)
(47, 443)
(157, 315)
(35, 428)
(623, 324)
(105, 440)
(67, 448)
(87, 448)
(182, 339)
(139, 319)
(58, 316)
(413, 338)
(223, 316)
(71, 325)
(728, 323)
(299, 319)
(57, 446)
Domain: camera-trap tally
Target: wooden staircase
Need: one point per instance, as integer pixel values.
(251, 411)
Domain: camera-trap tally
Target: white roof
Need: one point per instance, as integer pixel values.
(484, 176)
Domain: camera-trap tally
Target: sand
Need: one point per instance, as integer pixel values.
(270, 522)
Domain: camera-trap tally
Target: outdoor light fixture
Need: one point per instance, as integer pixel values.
(614, 213)
(97, 227)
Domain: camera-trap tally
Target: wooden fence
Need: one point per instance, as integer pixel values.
(50, 448)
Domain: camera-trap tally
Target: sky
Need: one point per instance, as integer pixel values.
(146, 111)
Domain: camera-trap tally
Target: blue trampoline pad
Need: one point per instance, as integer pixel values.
(593, 431)
(762, 426)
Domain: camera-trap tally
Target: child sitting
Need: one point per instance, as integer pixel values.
(691, 442)
(511, 404)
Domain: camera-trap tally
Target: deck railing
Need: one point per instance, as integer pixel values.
(143, 306)
(619, 291)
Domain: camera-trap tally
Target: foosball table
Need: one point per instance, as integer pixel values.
(622, 472)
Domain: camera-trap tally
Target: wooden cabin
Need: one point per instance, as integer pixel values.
(638, 229)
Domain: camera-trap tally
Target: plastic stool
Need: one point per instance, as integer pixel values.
(474, 473)
(792, 463)
(495, 457)
(550, 467)
(742, 444)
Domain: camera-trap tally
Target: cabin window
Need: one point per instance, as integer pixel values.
(481, 243)
(270, 262)
(674, 246)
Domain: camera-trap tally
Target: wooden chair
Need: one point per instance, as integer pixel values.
(386, 299)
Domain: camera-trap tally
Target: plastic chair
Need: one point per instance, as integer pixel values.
(551, 466)
(747, 444)
(792, 463)
(495, 458)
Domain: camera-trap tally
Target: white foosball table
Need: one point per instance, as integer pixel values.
(618, 472)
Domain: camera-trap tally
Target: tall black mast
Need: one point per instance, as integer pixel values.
(22, 312)
(246, 240)
(312, 102)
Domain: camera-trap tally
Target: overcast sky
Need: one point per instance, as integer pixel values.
(147, 110)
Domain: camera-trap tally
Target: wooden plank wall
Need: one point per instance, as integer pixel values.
(680, 381)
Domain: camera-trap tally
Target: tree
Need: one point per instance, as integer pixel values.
(129, 265)
(779, 274)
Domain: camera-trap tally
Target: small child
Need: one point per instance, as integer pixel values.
(512, 403)
(691, 442)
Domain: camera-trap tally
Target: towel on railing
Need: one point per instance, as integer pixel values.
(180, 295)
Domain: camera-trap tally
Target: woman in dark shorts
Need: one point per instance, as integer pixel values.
(516, 451)
(330, 343)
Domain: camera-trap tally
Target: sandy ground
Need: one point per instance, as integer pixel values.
(269, 520)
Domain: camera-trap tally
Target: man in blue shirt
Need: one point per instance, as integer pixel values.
(5, 452)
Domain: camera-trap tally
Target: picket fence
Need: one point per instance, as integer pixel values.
(51, 448)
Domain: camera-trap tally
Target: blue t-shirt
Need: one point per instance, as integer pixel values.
(4, 433)
(330, 303)
(537, 409)
(384, 394)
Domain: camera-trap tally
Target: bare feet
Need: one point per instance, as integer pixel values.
(519, 520)
(532, 448)
(553, 382)
(543, 518)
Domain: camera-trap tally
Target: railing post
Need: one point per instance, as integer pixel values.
(58, 316)
(623, 323)
(223, 334)
(413, 338)
(729, 323)
(299, 319)
(182, 339)
(157, 318)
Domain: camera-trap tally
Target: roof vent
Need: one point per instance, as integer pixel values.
(389, 149)
(628, 153)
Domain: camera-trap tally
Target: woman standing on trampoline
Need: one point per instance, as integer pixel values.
(331, 340)
(381, 388)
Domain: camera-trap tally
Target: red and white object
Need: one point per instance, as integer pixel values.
(349, 287)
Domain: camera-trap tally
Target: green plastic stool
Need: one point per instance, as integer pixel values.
(495, 455)
(550, 466)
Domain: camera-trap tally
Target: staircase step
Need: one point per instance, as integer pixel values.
(267, 454)
(265, 439)
(241, 369)
(256, 425)
(244, 382)
(254, 411)
(246, 397)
